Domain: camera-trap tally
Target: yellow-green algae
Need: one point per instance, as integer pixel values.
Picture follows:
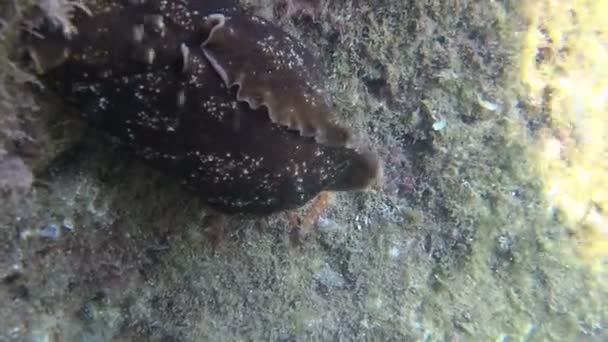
(565, 70)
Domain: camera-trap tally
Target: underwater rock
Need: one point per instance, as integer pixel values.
(158, 76)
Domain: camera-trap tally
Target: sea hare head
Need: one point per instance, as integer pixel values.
(272, 69)
(363, 171)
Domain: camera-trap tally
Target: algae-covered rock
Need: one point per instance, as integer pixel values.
(462, 240)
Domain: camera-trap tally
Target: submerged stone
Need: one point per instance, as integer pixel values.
(142, 72)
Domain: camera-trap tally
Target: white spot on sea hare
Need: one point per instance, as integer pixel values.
(185, 56)
(181, 98)
(138, 33)
(150, 56)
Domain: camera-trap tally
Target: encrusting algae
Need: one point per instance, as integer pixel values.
(564, 71)
(165, 90)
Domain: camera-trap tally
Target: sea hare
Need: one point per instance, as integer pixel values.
(225, 101)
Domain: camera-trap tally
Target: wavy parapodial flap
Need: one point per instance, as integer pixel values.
(272, 69)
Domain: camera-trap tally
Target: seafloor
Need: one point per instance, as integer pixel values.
(465, 240)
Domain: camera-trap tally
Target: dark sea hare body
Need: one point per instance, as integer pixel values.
(138, 70)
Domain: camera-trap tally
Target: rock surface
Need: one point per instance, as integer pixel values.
(457, 244)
